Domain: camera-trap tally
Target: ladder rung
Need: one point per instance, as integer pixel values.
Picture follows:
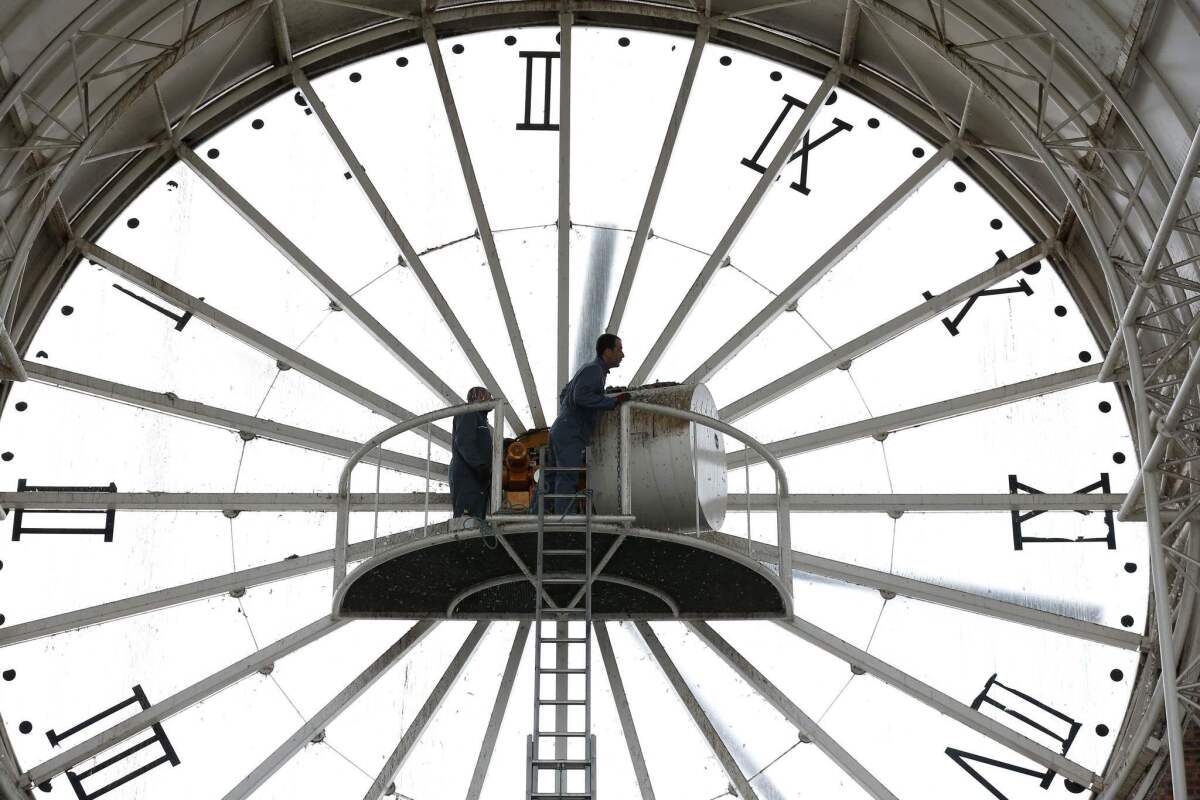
(560, 734)
(562, 670)
(563, 763)
(562, 702)
(564, 579)
(558, 796)
(564, 552)
(568, 640)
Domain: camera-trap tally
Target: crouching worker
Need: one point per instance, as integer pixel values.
(471, 459)
(578, 404)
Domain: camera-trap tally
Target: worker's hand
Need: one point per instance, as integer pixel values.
(622, 397)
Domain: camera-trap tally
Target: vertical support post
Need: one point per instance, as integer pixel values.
(497, 455)
(624, 485)
(783, 523)
(696, 474)
(749, 538)
(565, 21)
(342, 536)
(378, 476)
(428, 445)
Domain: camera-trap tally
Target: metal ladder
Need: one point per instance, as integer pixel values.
(562, 757)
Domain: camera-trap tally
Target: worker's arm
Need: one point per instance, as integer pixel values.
(589, 390)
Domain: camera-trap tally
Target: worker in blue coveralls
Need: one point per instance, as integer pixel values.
(471, 459)
(578, 404)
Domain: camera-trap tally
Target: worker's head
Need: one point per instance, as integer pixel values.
(608, 350)
(478, 394)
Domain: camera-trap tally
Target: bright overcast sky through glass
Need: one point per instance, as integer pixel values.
(389, 108)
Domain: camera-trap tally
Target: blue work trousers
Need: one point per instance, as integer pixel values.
(565, 452)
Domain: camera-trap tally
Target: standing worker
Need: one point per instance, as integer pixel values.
(578, 403)
(471, 459)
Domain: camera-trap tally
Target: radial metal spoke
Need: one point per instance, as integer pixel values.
(697, 713)
(334, 291)
(628, 730)
(229, 502)
(824, 263)
(719, 253)
(882, 334)
(656, 181)
(938, 701)
(318, 722)
(183, 699)
(484, 226)
(781, 703)
(921, 503)
(411, 257)
(563, 296)
(934, 593)
(922, 415)
(413, 733)
(251, 336)
(168, 403)
(503, 693)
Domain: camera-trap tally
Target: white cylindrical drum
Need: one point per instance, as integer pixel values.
(672, 463)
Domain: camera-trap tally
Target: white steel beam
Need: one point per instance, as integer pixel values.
(937, 700)
(411, 257)
(628, 729)
(781, 703)
(503, 693)
(319, 721)
(921, 503)
(657, 179)
(698, 714)
(483, 224)
(322, 280)
(740, 220)
(825, 262)
(934, 593)
(413, 733)
(181, 700)
(922, 415)
(881, 334)
(232, 502)
(563, 305)
(248, 335)
(290, 567)
(168, 403)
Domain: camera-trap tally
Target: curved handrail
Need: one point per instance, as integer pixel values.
(783, 518)
(343, 500)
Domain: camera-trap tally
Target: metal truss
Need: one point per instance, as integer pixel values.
(1066, 114)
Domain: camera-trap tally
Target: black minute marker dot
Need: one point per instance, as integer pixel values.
(457, 49)
(959, 186)
(996, 224)
(45, 786)
(6, 456)
(21, 406)
(777, 76)
(1102, 730)
(25, 727)
(623, 41)
(132, 222)
(1127, 621)
(1105, 406)
(403, 62)
(558, 38)
(67, 310)
(1033, 269)
(42, 354)
(1060, 311)
(355, 77)
(510, 40)
(1085, 356)
(1073, 787)
(213, 152)
(918, 152)
(257, 124)
(832, 98)
(1116, 675)
(1118, 458)
(10, 674)
(299, 98)
(872, 123)
(1130, 567)
(726, 61)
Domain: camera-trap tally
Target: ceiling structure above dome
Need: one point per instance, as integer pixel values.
(1079, 119)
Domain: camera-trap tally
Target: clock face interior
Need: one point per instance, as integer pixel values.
(624, 85)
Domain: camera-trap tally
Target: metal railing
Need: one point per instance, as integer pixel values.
(342, 542)
(783, 520)
(497, 408)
